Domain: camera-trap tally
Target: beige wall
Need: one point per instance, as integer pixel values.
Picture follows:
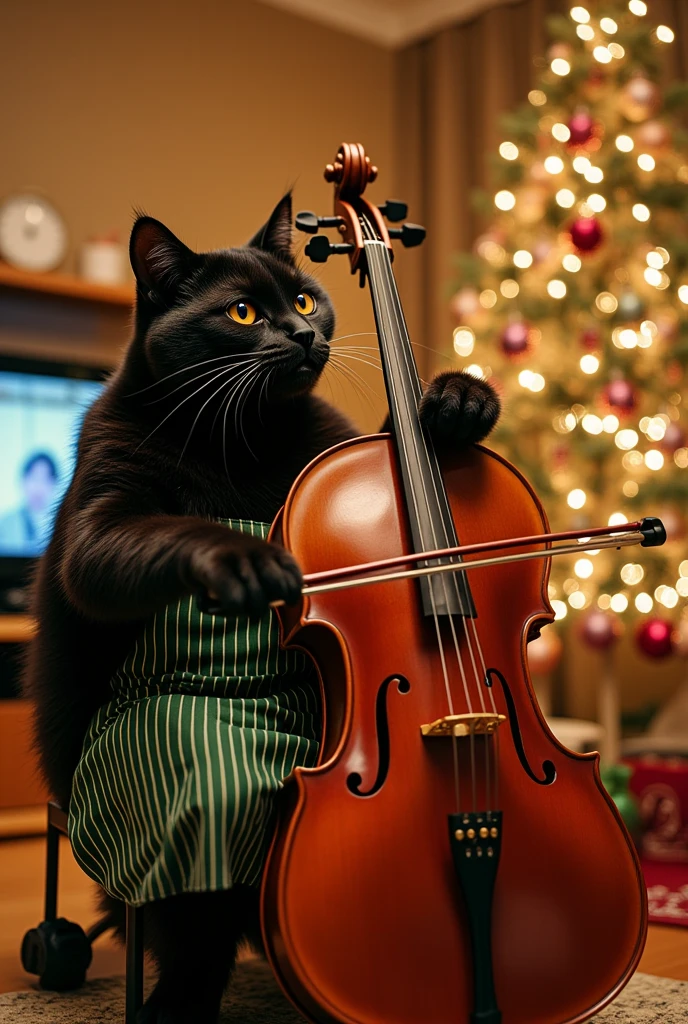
(201, 113)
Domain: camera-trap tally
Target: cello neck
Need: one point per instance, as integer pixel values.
(429, 514)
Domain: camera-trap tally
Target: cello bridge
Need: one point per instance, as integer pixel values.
(479, 723)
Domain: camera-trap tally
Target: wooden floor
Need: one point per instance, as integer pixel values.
(22, 864)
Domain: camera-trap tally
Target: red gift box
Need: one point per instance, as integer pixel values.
(661, 787)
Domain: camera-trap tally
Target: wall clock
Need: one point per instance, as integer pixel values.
(33, 235)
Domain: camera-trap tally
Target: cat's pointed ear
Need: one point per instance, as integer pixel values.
(275, 236)
(159, 260)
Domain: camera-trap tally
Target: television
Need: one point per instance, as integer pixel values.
(42, 405)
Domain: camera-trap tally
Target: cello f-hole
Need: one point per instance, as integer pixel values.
(354, 780)
(550, 772)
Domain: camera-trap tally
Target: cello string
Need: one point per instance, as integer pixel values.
(382, 300)
(382, 263)
(476, 676)
(457, 649)
(494, 712)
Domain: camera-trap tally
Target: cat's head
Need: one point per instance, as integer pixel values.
(263, 321)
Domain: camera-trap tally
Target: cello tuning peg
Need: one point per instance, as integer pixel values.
(308, 222)
(394, 210)
(333, 172)
(319, 249)
(409, 234)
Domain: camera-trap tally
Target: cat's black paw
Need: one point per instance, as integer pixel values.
(459, 409)
(244, 575)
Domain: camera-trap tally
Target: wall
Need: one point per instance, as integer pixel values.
(202, 114)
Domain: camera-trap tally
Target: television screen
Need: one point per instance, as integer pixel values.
(40, 418)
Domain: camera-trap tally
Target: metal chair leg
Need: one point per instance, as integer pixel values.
(134, 992)
(52, 863)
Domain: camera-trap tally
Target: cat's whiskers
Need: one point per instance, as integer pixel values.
(355, 380)
(184, 369)
(359, 334)
(353, 373)
(222, 373)
(227, 400)
(347, 383)
(193, 380)
(263, 394)
(376, 348)
(358, 358)
(239, 410)
(200, 412)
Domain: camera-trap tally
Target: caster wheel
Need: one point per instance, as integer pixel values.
(58, 952)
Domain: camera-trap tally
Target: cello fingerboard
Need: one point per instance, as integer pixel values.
(428, 509)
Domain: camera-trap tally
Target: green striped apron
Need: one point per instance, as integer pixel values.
(175, 787)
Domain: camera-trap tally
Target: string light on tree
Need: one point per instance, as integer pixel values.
(582, 303)
(509, 151)
(505, 200)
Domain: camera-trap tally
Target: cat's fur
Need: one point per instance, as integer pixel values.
(135, 529)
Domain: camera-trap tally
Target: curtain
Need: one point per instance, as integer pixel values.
(451, 90)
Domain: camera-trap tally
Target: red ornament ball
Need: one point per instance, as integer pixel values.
(586, 233)
(544, 653)
(581, 127)
(620, 395)
(600, 630)
(673, 439)
(653, 638)
(590, 339)
(514, 339)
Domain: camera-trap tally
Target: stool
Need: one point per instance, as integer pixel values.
(59, 951)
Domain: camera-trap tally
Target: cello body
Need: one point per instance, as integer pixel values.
(447, 861)
(364, 920)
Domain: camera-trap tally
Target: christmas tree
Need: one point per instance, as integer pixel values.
(576, 301)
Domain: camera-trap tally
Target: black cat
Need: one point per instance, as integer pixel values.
(210, 415)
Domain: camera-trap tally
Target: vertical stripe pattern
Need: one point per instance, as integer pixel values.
(175, 787)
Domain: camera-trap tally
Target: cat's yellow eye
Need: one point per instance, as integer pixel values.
(243, 312)
(305, 303)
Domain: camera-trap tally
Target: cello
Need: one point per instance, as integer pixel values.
(448, 860)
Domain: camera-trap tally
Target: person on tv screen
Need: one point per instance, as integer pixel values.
(26, 530)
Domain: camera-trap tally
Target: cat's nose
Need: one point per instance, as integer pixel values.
(304, 336)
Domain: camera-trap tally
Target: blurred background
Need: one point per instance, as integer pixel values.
(542, 144)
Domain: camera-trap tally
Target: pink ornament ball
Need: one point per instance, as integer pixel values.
(581, 127)
(620, 396)
(673, 439)
(654, 638)
(465, 303)
(514, 339)
(600, 630)
(586, 233)
(653, 135)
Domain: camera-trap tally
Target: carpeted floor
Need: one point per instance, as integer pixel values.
(255, 999)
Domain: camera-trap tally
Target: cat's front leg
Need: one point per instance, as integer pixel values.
(459, 409)
(119, 567)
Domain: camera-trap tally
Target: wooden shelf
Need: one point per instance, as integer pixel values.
(66, 286)
(16, 629)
